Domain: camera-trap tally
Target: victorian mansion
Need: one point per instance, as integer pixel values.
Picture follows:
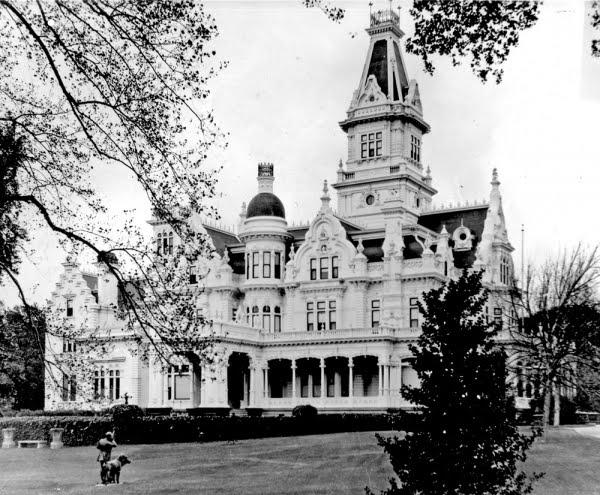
(323, 313)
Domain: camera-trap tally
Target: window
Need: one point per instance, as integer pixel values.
(277, 268)
(332, 315)
(179, 382)
(414, 312)
(234, 314)
(69, 308)
(415, 148)
(335, 264)
(247, 265)
(370, 199)
(371, 145)
(498, 317)
(69, 388)
(266, 319)
(326, 315)
(170, 244)
(321, 325)
(277, 319)
(107, 384)
(375, 313)
(505, 272)
(310, 316)
(255, 316)
(159, 244)
(255, 262)
(266, 264)
(193, 276)
(69, 345)
(324, 268)
(325, 265)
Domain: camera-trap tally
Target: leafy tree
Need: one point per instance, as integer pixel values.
(21, 363)
(465, 440)
(110, 85)
(558, 334)
(482, 32)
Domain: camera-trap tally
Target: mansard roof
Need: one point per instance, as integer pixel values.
(472, 217)
(221, 239)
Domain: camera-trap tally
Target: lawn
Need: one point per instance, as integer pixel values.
(326, 464)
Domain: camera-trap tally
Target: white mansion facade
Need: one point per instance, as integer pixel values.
(319, 314)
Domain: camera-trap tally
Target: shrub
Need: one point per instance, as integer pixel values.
(126, 412)
(304, 411)
(87, 430)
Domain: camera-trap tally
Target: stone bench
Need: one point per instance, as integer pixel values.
(38, 444)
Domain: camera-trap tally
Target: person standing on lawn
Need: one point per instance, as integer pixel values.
(105, 446)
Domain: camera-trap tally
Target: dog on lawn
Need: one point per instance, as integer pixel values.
(111, 471)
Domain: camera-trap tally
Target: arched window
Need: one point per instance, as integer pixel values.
(255, 316)
(159, 244)
(266, 319)
(277, 319)
(247, 315)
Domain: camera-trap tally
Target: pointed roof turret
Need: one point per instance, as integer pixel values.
(384, 78)
(494, 227)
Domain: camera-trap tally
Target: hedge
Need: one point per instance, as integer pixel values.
(81, 431)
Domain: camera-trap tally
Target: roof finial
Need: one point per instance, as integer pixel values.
(325, 199)
(495, 181)
(340, 164)
(370, 8)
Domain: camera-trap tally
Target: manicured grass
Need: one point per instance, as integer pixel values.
(326, 464)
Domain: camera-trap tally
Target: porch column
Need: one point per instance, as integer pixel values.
(380, 383)
(293, 378)
(350, 377)
(266, 381)
(251, 398)
(386, 379)
(322, 377)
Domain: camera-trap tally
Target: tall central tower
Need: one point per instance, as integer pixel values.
(385, 129)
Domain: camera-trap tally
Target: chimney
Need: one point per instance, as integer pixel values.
(108, 291)
(265, 178)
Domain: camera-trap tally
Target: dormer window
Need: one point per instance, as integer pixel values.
(326, 267)
(371, 145)
(69, 308)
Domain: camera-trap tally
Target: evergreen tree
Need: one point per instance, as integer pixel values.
(465, 440)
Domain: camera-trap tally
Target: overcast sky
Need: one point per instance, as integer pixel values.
(290, 79)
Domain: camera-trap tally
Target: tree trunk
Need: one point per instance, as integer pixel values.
(547, 400)
(556, 393)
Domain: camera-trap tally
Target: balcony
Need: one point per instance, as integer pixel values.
(235, 332)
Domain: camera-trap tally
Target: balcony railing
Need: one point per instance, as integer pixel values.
(258, 336)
